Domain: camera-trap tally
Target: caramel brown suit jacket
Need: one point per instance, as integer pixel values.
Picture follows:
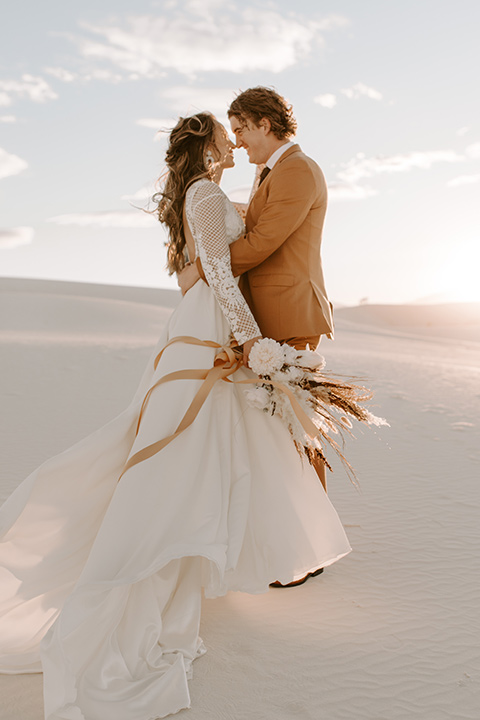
(279, 257)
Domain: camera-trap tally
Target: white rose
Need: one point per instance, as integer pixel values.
(258, 398)
(293, 374)
(310, 359)
(266, 356)
(290, 354)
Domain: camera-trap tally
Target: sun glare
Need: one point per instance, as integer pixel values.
(458, 277)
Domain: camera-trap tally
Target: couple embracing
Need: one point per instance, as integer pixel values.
(278, 259)
(105, 549)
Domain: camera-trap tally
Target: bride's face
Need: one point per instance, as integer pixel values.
(223, 149)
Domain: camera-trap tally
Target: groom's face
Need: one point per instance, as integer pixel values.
(253, 138)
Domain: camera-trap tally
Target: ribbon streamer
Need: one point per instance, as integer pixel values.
(226, 363)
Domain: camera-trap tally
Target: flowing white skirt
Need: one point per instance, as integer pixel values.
(101, 581)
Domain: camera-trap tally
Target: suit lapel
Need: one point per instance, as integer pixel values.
(258, 199)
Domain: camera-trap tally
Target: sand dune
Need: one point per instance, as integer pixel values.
(42, 312)
(160, 297)
(457, 321)
(390, 632)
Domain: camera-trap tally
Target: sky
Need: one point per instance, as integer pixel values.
(386, 97)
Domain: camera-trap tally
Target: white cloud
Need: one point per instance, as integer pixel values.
(464, 180)
(187, 100)
(348, 185)
(84, 77)
(327, 100)
(104, 219)
(143, 195)
(204, 7)
(157, 123)
(29, 86)
(61, 74)
(361, 90)
(463, 130)
(361, 166)
(349, 191)
(103, 75)
(15, 237)
(221, 36)
(473, 151)
(11, 164)
(8, 118)
(161, 125)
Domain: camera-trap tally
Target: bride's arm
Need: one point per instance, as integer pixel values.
(209, 231)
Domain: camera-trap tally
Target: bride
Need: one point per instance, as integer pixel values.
(105, 549)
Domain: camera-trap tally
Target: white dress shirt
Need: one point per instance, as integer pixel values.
(275, 157)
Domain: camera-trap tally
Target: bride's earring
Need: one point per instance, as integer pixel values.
(209, 160)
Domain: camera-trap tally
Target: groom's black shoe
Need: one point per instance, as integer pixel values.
(297, 582)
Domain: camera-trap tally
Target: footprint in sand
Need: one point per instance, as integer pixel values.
(439, 409)
(399, 395)
(461, 426)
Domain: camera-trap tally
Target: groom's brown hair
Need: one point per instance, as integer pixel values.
(262, 102)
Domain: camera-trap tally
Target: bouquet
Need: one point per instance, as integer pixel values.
(313, 404)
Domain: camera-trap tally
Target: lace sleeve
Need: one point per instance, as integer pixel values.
(206, 214)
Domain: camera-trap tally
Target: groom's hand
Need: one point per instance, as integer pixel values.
(187, 278)
(247, 347)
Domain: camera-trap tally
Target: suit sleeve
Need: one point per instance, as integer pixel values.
(291, 194)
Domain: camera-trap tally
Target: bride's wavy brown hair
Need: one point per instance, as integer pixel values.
(185, 160)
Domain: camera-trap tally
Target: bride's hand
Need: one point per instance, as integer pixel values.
(187, 278)
(247, 347)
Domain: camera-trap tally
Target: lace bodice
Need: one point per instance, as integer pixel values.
(215, 224)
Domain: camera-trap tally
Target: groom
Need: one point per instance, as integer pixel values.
(279, 257)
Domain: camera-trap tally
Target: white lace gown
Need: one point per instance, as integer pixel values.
(101, 580)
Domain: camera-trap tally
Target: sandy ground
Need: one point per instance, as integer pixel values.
(389, 633)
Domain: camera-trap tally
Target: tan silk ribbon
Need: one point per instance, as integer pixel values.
(227, 362)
